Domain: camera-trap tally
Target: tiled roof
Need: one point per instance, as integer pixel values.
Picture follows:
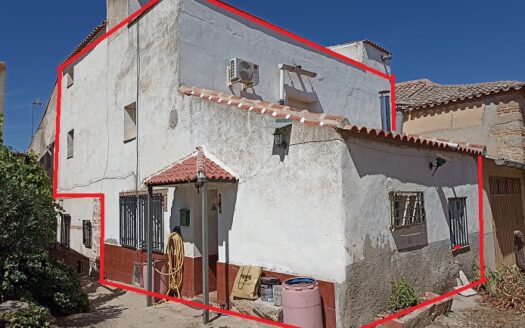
(185, 170)
(425, 93)
(87, 40)
(322, 119)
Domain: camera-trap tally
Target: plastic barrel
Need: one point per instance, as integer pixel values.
(302, 303)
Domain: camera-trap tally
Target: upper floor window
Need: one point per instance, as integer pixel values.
(70, 76)
(70, 143)
(457, 212)
(406, 209)
(130, 122)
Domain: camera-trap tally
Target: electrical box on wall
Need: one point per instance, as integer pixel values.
(184, 217)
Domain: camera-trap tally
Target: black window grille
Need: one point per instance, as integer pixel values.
(406, 209)
(133, 225)
(65, 227)
(457, 210)
(86, 233)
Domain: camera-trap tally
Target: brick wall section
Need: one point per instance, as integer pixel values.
(119, 263)
(226, 274)
(509, 131)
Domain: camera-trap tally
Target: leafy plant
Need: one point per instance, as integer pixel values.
(28, 224)
(45, 280)
(403, 296)
(33, 316)
(505, 289)
(27, 209)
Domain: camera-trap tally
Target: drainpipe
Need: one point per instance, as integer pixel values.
(385, 110)
(203, 181)
(149, 283)
(281, 84)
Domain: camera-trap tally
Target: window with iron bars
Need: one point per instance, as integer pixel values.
(65, 230)
(133, 223)
(86, 233)
(407, 208)
(457, 212)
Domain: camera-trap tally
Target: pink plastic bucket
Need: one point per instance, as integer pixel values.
(302, 303)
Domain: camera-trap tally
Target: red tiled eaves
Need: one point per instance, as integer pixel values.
(185, 171)
(461, 147)
(322, 119)
(87, 40)
(424, 93)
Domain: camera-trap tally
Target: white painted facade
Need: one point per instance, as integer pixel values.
(310, 214)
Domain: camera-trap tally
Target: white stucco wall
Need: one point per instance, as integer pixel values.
(373, 168)
(210, 37)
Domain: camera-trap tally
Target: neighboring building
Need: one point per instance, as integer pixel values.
(491, 114)
(2, 100)
(298, 188)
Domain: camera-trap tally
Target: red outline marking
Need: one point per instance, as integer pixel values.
(293, 36)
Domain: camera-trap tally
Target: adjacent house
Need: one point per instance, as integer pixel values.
(491, 114)
(305, 177)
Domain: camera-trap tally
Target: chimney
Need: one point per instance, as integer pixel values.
(117, 11)
(366, 52)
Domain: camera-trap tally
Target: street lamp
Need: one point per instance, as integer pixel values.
(37, 104)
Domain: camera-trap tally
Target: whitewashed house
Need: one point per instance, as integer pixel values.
(297, 184)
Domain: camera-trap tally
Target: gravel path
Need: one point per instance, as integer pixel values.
(112, 308)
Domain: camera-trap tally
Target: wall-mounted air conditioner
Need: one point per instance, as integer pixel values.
(242, 71)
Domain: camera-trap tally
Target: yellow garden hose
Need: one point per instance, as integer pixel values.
(175, 261)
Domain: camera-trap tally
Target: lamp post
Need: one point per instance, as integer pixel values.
(35, 105)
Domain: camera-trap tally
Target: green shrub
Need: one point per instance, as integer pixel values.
(33, 316)
(45, 280)
(28, 213)
(403, 296)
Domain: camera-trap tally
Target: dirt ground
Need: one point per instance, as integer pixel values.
(112, 308)
(470, 313)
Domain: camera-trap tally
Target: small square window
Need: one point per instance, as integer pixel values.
(130, 122)
(406, 209)
(70, 76)
(457, 212)
(70, 143)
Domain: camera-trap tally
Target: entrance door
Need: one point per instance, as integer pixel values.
(507, 212)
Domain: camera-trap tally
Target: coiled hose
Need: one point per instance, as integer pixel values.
(175, 261)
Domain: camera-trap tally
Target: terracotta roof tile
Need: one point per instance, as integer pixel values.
(185, 171)
(322, 119)
(87, 40)
(425, 93)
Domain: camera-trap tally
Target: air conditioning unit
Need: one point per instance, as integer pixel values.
(242, 71)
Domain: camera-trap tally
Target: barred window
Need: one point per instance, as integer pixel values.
(65, 230)
(407, 208)
(457, 211)
(86, 233)
(133, 225)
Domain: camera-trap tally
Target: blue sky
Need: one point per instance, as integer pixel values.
(447, 41)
